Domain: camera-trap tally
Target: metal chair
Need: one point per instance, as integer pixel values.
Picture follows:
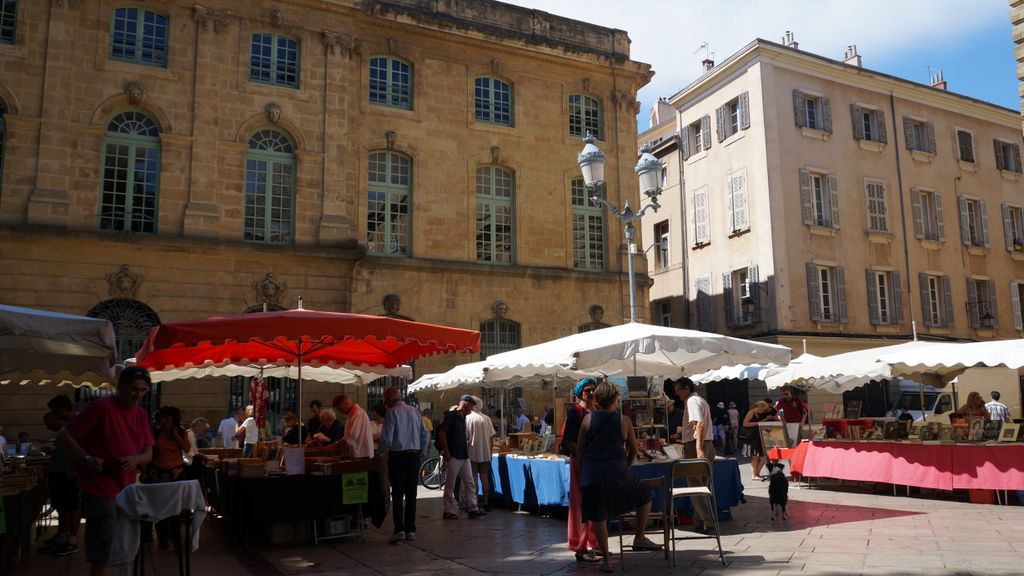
(658, 485)
(700, 469)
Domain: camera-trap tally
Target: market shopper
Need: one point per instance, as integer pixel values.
(734, 429)
(454, 447)
(582, 539)
(293, 433)
(761, 411)
(607, 447)
(331, 429)
(358, 436)
(479, 432)
(63, 483)
(698, 442)
(227, 430)
(313, 426)
(404, 440)
(112, 440)
(167, 466)
(974, 408)
(996, 409)
(248, 432)
(794, 412)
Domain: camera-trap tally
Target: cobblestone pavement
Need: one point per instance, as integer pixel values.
(829, 531)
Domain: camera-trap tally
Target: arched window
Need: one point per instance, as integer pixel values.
(390, 82)
(269, 188)
(584, 116)
(274, 59)
(131, 174)
(132, 322)
(139, 36)
(388, 206)
(8, 21)
(587, 230)
(493, 101)
(495, 220)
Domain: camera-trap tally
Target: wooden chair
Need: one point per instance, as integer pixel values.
(694, 468)
(658, 485)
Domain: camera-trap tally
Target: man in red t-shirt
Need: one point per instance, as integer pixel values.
(794, 412)
(113, 441)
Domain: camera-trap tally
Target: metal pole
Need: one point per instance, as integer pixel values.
(632, 277)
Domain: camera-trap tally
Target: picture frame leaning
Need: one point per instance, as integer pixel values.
(773, 435)
(1010, 432)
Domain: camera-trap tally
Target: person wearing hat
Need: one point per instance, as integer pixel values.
(455, 449)
(479, 432)
(582, 538)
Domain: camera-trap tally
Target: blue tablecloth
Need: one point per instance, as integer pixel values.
(538, 481)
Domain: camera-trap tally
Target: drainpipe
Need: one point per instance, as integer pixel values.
(903, 211)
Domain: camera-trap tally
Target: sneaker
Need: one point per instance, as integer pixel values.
(65, 549)
(396, 538)
(642, 543)
(477, 514)
(410, 536)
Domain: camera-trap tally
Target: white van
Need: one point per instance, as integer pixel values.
(936, 401)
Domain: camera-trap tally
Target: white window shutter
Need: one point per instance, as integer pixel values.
(833, 198)
(826, 114)
(973, 309)
(883, 136)
(940, 222)
(857, 120)
(872, 282)
(754, 293)
(806, 198)
(922, 280)
(840, 280)
(947, 298)
(813, 293)
(965, 223)
(1018, 322)
(701, 232)
(705, 130)
(915, 202)
(727, 298)
(1007, 227)
(684, 141)
(799, 105)
(997, 145)
(929, 137)
(744, 110)
(720, 123)
(1015, 150)
(983, 207)
(740, 206)
(730, 191)
(704, 311)
(897, 299)
(908, 132)
(993, 305)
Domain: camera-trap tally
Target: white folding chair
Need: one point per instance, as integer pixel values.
(700, 469)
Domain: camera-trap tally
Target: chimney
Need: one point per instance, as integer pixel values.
(851, 57)
(787, 40)
(708, 64)
(939, 82)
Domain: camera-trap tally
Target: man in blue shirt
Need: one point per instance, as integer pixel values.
(405, 440)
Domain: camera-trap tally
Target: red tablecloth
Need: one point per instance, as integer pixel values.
(940, 466)
(796, 457)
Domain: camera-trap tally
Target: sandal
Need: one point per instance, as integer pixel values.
(450, 516)
(587, 556)
(606, 565)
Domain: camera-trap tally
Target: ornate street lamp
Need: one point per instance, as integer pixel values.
(648, 168)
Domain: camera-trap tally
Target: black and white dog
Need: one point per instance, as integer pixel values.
(778, 490)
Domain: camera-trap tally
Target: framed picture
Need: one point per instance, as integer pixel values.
(990, 431)
(892, 430)
(1010, 432)
(830, 411)
(853, 409)
(773, 435)
(976, 430)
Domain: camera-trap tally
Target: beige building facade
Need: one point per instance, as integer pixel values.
(165, 161)
(826, 203)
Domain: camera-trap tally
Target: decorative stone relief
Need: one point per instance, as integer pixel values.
(337, 41)
(392, 44)
(596, 313)
(586, 84)
(495, 66)
(268, 290)
(220, 17)
(277, 17)
(390, 136)
(500, 308)
(392, 304)
(495, 155)
(135, 93)
(541, 26)
(123, 283)
(273, 112)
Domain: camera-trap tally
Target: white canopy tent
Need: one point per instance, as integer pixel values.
(842, 372)
(42, 347)
(949, 360)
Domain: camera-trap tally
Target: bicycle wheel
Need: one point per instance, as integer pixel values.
(432, 473)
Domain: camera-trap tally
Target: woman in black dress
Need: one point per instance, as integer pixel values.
(760, 412)
(607, 445)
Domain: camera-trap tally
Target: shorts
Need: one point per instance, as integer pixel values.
(99, 516)
(63, 492)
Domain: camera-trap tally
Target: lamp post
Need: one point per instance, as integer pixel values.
(648, 168)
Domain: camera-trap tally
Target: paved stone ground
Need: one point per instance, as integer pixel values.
(829, 531)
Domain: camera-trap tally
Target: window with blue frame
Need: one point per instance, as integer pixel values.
(8, 21)
(139, 36)
(274, 59)
(585, 116)
(493, 101)
(390, 82)
(388, 204)
(587, 230)
(131, 174)
(495, 197)
(269, 188)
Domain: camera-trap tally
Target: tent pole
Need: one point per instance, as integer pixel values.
(924, 417)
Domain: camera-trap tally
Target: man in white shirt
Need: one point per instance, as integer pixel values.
(358, 431)
(698, 442)
(227, 427)
(479, 431)
(996, 409)
(252, 432)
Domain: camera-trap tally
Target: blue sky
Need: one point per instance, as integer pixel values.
(970, 41)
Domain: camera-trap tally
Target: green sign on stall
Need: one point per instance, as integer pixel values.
(355, 488)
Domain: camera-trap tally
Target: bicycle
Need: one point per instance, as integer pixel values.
(432, 473)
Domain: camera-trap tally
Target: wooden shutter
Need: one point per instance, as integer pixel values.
(992, 305)
(922, 279)
(826, 115)
(806, 198)
(744, 110)
(915, 202)
(858, 122)
(701, 232)
(897, 299)
(929, 137)
(1008, 227)
(883, 134)
(839, 277)
(833, 198)
(965, 222)
(727, 298)
(720, 123)
(973, 309)
(872, 282)
(754, 293)
(997, 145)
(813, 295)
(739, 216)
(908, 132)
(730, 185)
(983, 207)
(947, 297)
(940, 222)
(1018, 322)
(799, 105)
(704, 319)
(684, 141)
(1015, 149)
(705, 130)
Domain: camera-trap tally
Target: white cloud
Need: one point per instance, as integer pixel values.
(668, 33)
